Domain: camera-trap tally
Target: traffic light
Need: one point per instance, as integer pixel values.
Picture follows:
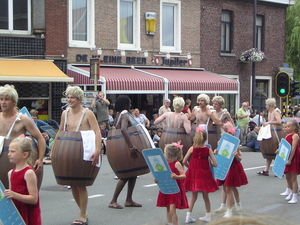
(293, 88)
(282, 84)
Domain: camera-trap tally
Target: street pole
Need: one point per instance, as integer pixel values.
(254, 46)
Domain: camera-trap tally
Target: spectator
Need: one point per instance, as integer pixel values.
(186, 108)
(164, 108)
(243, 120)
(252, 141)
(141, 118)
(259, 119)
(111, 117)
(104, 133)
(100, 107)
(156, 138)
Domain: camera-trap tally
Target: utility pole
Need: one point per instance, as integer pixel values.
(254, 46)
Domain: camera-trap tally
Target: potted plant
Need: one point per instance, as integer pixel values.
(252, 55)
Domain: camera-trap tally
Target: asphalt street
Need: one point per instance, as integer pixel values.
(259, 198)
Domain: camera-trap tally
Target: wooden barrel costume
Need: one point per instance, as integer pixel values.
(6, 165)
(67, 161)
(269, 146)
(213, 135)
(118, 152)
(170, 135)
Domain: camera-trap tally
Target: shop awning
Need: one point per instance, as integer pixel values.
(195, 81)
(31, 71)
(118, 79)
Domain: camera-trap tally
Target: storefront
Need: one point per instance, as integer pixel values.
(33, 81)
(153, 85)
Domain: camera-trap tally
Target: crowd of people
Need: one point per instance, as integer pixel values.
(188, 137)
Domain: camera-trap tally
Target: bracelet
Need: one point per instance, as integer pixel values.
(131, 148)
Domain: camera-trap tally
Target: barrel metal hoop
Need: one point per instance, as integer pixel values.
(173, 132)
(132, 170)
(69, 138)
(74, 178)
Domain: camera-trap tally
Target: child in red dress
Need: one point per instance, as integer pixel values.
(291, 128)
(173, 154)
(235, 177)
(199, 176)
(23, 182)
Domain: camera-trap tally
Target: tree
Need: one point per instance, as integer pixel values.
(292, 38)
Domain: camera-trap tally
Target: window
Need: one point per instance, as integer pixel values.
(170, 39)
(81, 23)
(226, 26)
(15, 16)
(259, 32)
(129, 24)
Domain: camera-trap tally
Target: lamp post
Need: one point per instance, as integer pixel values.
(254, 46)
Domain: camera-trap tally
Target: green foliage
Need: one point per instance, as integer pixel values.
(293, 38)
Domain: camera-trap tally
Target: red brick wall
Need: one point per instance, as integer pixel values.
(56, 27)
(210, 38)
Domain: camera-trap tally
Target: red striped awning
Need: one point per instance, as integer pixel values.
(194, 80)
(118, 79)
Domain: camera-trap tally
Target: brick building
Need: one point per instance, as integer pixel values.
(187, 54)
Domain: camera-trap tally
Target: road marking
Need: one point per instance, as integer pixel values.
(91, 196)
(150, 185)
(267, 208)
(254, 168)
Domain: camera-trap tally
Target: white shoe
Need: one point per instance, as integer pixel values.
(238, 206)
(227, 215)
(289, 197)
(221, 210)
(205, 219)
(293, 201)
(190, 220)
(286, 193)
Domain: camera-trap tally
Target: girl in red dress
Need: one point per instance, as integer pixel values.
(23, 182)
(199, 176)
(173, 154)
(291, 128)
(236, 175)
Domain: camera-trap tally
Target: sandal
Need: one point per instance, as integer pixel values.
(79, 222)
(265, 173)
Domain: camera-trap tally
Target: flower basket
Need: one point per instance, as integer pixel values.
(252, 55)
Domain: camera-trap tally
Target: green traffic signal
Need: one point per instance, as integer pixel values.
(282, 91)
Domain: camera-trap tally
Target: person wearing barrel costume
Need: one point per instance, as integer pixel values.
(223, 115)
(12, 125)
(205, 117)
(122, 151)
(177, 128)
(268, 147)
(76, 118)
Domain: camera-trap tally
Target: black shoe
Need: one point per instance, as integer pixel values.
(257, 150)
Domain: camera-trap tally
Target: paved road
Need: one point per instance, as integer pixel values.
(259, 197)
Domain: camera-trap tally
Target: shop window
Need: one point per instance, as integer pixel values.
(129, 24)
(81, 23)
(226, 31)
(15, 16)
(170, 39)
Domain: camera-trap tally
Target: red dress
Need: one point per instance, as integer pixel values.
(294, 166)
(31, 214)
(236, 175)
(179, 199)
(199, 176)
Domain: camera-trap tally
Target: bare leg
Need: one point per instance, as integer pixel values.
(120, 185)
(173, 215)
(236, 194)
(206, 201)
(129, 202)
(268, 164)
(81, 198)
(192, 201)
(229, 193)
